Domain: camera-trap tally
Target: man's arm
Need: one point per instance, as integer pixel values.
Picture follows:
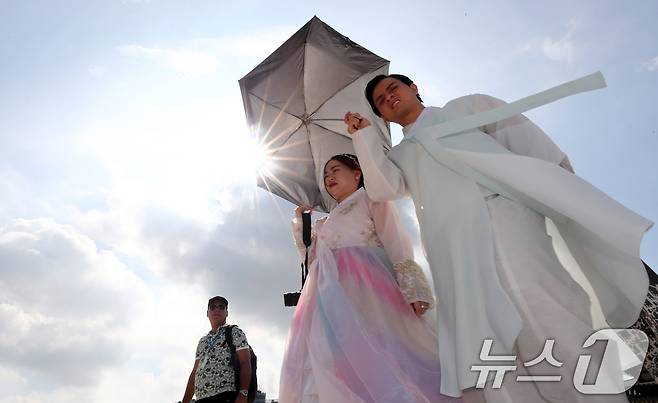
(244, 358)
(383, 179)
(189, 390)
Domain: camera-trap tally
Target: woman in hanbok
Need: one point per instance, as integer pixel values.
(359, 333)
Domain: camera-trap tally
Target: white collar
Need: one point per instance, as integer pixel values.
(350, 197)
(423, 115)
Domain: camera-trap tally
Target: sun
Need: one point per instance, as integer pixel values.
(262, 160)
(243, 160)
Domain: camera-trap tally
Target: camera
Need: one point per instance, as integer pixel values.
(291, 298)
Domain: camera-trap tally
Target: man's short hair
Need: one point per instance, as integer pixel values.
(370, 88)
(218, 299)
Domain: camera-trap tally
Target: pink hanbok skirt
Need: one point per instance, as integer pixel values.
(354, 338)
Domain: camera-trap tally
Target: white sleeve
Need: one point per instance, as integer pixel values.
(383, 179)
(518, 133)
(410, 277)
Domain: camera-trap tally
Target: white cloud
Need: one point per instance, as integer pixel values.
(206, 56)
(64, 303)
(181, 60)
(258, 43)
(42, 261)
(12, 382)
(650, 65)
(561, 49)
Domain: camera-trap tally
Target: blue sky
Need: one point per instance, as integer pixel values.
(127, 172)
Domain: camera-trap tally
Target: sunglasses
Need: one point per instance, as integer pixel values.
(212, 307)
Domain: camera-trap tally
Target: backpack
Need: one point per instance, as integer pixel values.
(235, 363)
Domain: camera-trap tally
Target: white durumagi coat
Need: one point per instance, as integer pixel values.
(467, 223)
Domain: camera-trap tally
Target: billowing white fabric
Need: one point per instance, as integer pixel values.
(512, 157)
(551, 304)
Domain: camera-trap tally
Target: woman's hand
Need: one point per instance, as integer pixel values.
(354, 122)
(420, 307)
(301, 209)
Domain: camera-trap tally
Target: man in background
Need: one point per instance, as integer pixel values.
(213, 377)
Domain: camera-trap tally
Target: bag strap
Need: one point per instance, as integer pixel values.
(228, 335)
(306, 238)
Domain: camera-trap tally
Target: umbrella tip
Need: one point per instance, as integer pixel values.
(314, 21)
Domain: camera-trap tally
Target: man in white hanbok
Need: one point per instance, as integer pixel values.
(482, 198)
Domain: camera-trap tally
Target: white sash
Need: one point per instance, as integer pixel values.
(591, 82)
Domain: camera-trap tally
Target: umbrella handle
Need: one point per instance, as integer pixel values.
(306, 238)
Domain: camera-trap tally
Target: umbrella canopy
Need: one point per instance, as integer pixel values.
(295, 101)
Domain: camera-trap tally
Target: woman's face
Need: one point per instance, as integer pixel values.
(340, 180)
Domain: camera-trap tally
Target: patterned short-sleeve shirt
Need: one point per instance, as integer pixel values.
(214, 375)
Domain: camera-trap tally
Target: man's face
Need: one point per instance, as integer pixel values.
(217, 313)
(394, 99)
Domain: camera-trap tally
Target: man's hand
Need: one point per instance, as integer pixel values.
(240, 398)
(355, 122)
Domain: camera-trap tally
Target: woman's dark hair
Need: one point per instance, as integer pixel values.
(350, 161)
(370, 88)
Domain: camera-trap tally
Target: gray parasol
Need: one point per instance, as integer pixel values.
(295, 101)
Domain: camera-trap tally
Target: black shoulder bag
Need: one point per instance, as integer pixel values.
(235, 363)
